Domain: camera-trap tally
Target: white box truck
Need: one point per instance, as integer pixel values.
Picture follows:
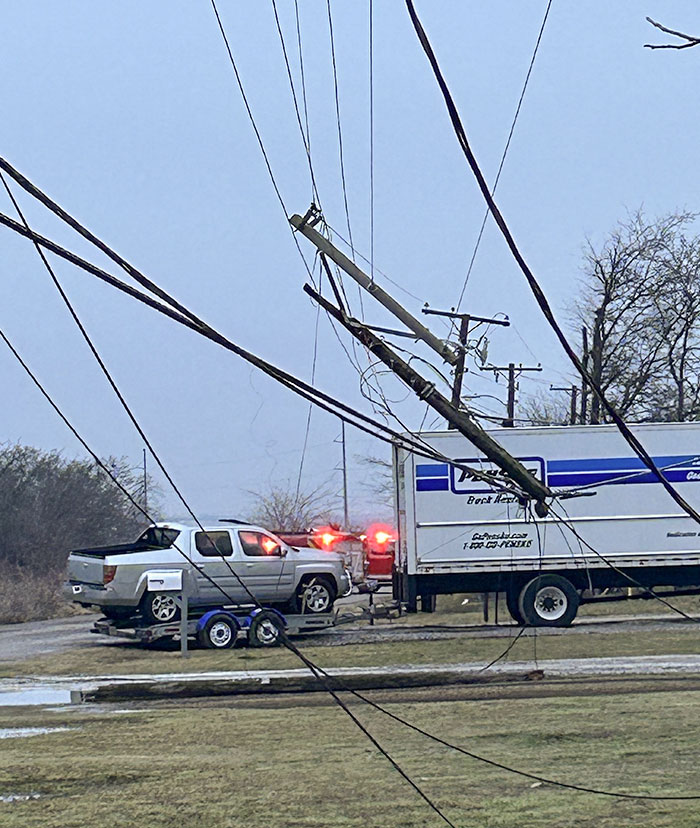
(460, 535)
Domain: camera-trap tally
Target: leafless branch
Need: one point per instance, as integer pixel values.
(691, 40)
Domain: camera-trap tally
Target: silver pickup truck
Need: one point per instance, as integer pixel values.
(222, 566)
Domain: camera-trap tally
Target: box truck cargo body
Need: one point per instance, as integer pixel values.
(457, 534)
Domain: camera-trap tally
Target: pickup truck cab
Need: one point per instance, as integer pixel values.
(222, 565)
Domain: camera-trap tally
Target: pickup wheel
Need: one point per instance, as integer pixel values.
(265, 630)
(218, 633)
(548, 601)
(159, 608)
(315, 595)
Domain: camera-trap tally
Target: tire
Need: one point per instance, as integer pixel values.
(265, 630)
(512, 596)
(548, 601)
(218, 633)
(159, 608)
(315, 596)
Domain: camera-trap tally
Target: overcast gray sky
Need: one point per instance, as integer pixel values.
(128, 115)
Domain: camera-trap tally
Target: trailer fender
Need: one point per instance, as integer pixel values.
(207, 615)
(258, 610)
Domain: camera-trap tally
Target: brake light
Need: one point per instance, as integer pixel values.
(382, 537)
(108, 573)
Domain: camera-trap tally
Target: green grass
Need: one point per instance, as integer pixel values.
(113, 659)
(304, 765)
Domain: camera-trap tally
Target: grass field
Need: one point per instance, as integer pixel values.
(304, 765)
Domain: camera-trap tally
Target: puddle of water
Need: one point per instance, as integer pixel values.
(23, 732)
(37, 694)
(15, 797)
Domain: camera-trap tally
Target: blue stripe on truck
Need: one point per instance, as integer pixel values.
(432, 470)
(432, 484)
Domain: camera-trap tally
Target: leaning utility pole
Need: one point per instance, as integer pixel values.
(513, 371)
(465, 320)
(304, 226)
(426, 391)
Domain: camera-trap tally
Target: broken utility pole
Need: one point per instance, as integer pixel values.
(514, 372)
(465, 320)
(446, 351)
(426, 391)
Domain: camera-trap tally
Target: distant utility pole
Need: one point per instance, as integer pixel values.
(584, 387)
(145, 484)
(346, 521)
(513, 371)
(573, 390)
(465, 320)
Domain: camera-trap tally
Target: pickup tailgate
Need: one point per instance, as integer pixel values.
(85, 565)
(85, 569)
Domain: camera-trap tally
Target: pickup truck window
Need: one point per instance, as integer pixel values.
(259, 545)
(159, 537)
(213, 544)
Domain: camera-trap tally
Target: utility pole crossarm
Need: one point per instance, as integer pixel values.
(426, 391)
(441, 347)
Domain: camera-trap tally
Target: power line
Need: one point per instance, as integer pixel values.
(304, 136)
(320, 674)
(535, 287)
(193, 322)
(505, 152)
(371, 138)
(253, 123)
(339, 128)
(317, 671)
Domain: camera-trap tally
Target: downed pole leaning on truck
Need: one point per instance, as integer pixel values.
(458, 536)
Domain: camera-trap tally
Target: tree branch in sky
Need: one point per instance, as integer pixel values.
(691, 41)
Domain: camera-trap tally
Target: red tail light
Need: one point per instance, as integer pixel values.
(108, 573)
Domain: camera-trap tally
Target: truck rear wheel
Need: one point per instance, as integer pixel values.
(548, 601)
(512, 596)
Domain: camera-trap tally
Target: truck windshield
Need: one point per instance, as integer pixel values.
(159, 537)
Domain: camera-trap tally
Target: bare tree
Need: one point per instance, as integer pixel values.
(283, 508)
(674, 394)
(378, 480)
(544, 408)
(50, 505)
(626, 285)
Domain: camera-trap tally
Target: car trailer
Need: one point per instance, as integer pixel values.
(219, 629)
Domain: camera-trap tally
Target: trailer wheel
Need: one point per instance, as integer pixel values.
(316, 595)
(512, 596)
(159, 607)
(548, 601)
(265, 630)
(219, 632)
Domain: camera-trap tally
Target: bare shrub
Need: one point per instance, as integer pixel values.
(28, 594)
